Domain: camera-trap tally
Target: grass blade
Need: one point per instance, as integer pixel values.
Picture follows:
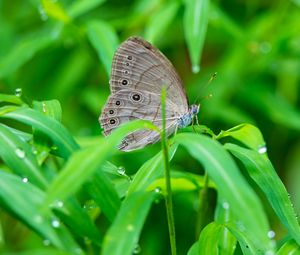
(241, 198)
(261, 170)
(83, 163)
(24, 199)
(195, 24)
(122, 237)
(19, 157)
(48, 126)
(105, 41)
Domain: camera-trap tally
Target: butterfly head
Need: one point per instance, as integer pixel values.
(194, 109)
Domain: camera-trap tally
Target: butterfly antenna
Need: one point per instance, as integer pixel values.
(212, 77)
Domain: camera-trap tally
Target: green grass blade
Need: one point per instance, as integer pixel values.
(104, 194)
(227, 242)
(24, 51)
(160, 21)
(24, 199)
(42, 251)
(77, 220)
(150, 171)
(209, 238)
(123, 235)
(53, 129)
(83, 163)
(19, 157)
(246, 134)
(261, 170)
(195, 24)
(289, 248)
(80, 7)
(105, 41)
(10, 99)
(50, 108)
(230, 183)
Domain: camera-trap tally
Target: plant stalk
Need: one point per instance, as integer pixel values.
(168, 195)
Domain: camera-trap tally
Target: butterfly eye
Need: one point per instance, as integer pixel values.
(118, 102)
(111, 111)
(124, 82)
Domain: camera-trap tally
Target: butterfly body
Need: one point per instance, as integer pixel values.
(187, 118)
(139, 71)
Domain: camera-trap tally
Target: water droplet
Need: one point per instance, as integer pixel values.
(137, 249)
(55, 223)
(44, 107)
(157, 190)
(43, 13)
(18, 92)
(25, 179)
(130, 228)
(46, 242)
(262, 149)
(240, 226)
(271, 234)
(38, 218)
(225, 205)
(58, 203)
(20, 153)
(270, 252)
(265, 47)
(196, 68)
(121, 170)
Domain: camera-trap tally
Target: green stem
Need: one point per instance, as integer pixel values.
(203, 206)
(168, 196)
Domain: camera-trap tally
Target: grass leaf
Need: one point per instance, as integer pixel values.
(84, 163)
(105, 41)
(24, 199)
(261, 170)
(123, 235)
(241, 198)
(195, 24)
(56, 131)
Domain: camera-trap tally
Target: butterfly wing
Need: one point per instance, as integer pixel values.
(138, 73)
(128, 105)
(139, 65)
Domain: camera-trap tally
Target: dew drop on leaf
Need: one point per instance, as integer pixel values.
(20, 153)
(25, 179)
(262, 149)
(271, 234)
(46, 242)
(55, 223)
(44, 107)
(18, 92)
(225, 205)
(137, 249)
(121, 170)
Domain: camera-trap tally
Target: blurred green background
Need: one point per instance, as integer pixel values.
(63, 49)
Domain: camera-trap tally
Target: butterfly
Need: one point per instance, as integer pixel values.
(139, 70)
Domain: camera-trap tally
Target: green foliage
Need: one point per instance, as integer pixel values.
(65, 189)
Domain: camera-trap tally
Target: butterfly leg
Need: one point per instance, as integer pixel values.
(197, 123)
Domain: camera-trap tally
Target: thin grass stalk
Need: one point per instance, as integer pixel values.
(168, 196)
